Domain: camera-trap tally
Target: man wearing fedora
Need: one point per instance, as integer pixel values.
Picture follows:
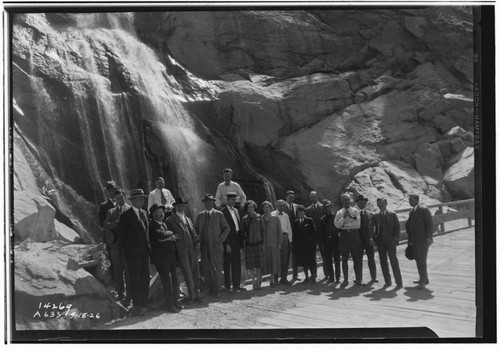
(229, 186)
(386, 234)
(213, 230)
(420, 228)
(116, 257)
(161, 196)
(133, 237)
(187, 246)
(366, 234)
(164, 256)
(232, 245)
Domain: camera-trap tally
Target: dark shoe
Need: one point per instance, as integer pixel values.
(272, 284)
(374, 280)
(173, 310)
(331, 280)
(388, 284)
(325, 279)
(286, 282)
(226, 290)
(421, 286)
(198, 300)
(337, 281)
(345, 283)
(306, 280)
(296, 278)
(313, 280)
(399, 286)
(359, 284)
(241, 289)
(416, 281)
(187, 300)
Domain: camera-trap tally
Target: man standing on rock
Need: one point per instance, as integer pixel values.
(291, 210)
(348, 221)
(286, 243)
(229, 186)
(420, 227)
(386, 234)
(315, 212)
(187, 246)
(232, 245)
(366, 234)
(133, 237)
(116, 256)
(103, 212)
(213, 230)
(161, 196)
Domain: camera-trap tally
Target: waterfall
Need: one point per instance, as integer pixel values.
(159, 97)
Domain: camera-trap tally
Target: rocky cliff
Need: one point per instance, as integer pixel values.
(377, 101)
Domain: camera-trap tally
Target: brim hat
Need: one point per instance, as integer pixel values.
(110, 185)
(208, 197)
(154, 207)
(137, 193)
(361, 198)
(179, 200)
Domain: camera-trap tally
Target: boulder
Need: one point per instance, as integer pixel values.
(459, 177)
(404, 177)
(428, 162)
(41, 278)
(33, 217)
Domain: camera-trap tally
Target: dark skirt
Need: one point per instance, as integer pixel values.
(254, 256)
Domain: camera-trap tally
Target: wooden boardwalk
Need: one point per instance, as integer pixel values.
(446, 306)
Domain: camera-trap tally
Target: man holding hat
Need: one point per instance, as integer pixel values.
(116, 256)
(161, 196)
(187, 245)
(229, 186)
(213, 229)
(232, 245)
(133, 237)
(366, 234)
(164, 256)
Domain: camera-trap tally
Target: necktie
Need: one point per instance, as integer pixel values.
(143, 218)
(163, 199)
(120, 208)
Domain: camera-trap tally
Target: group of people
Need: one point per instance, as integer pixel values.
(209, 249)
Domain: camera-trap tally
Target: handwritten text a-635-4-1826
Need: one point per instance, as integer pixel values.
(56, 310)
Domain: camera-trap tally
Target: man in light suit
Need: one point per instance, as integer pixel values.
(386, 234)
(213, 230)
(420, 227)
(232, 246)
(315, 212)
(161, 196)
(187, 247)
(291, 210)
(116, 256)
(133, 237)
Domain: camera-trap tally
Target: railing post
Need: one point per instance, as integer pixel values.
(441, 226)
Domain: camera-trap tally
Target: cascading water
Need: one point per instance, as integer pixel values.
(159, 99)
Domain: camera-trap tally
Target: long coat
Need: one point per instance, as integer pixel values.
(111, 223)
(162, 250)
(420, 225)
(133, 234)
(186, 240)
(304, 241)
(212, 231)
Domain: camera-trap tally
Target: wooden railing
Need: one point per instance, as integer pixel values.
(463, 209)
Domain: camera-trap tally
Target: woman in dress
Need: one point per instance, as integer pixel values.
(253, 235)
(272, 242)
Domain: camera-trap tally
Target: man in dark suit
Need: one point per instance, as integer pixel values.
(366, 234)
(116, 256)
(232, 246)
(386, 234)
(291, 210)
(330, 237)
(304, 243)
(187, 247)
(133, 237)
(420, 227)
(213, 230)
(315, 212)
(164, 256)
